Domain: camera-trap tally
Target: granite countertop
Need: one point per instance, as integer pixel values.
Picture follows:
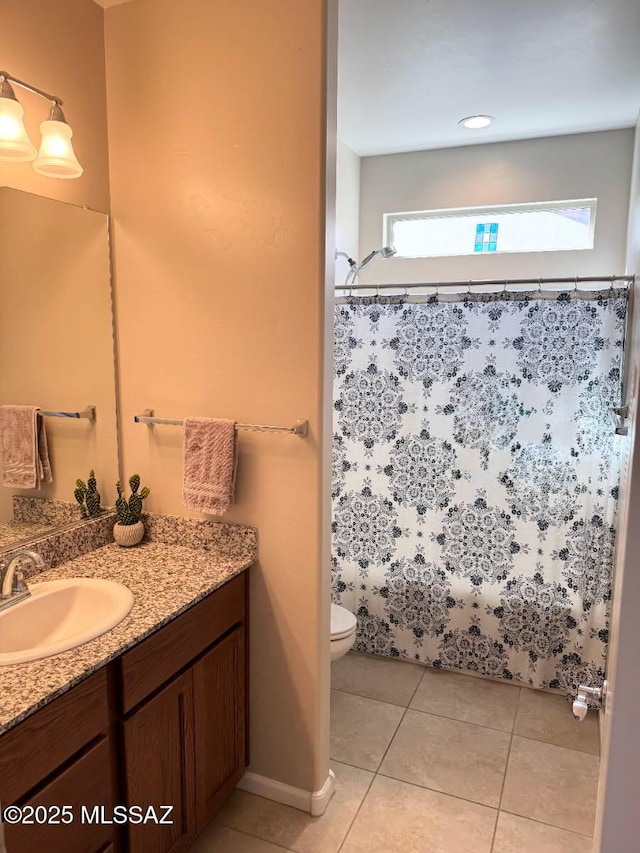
(17, 531)
(165, 580)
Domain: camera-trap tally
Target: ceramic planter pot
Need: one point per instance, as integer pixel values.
(128, 534)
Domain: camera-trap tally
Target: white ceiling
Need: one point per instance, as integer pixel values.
(410, 69)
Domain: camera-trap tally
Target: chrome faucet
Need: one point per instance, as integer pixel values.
(13, 587)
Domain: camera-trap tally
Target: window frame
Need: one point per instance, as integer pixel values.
(389, 219)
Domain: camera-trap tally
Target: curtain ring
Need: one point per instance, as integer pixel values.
(540, 285)
(575, 284)
(469, 287)
(504, 286)
(406, 292)
(377, 291)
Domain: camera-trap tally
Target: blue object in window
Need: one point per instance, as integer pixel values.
(486, 237)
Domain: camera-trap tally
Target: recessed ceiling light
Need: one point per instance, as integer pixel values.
(476, 122)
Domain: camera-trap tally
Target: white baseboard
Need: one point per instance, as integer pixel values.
(312, 802)
(320, 799)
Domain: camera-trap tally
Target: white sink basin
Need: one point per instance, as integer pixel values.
(60, 615)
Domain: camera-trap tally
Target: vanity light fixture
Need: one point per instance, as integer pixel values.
(15, 145)
(476, 122)
(56, 157)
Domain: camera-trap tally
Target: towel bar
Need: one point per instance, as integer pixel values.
(88, 414)
(300, 428)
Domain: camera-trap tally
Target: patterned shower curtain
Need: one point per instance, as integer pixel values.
(475, 479)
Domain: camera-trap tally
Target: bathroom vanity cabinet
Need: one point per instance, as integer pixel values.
(184, 728)
(164, 724)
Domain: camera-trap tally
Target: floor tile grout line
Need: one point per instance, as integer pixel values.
(438, 791)
(504, 779)
(458, 720)
(366, 794)
(355, 766)
(380, 701)
(397, 728)
(515, 715)
(520, 688)
(386, 701)
(557, 745)
(550, 743)
(506, 768)
(497, 809)
(420, 710)
(495, 831)
(486, 679)
(251, 834)
(393, 737)
(465, 722)
(376, 772)
(362, 696)
(255, 837)
(420, 680)
(550, 825)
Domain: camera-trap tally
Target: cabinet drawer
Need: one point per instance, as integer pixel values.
(85, 783)
(155, 660)
(35, 748)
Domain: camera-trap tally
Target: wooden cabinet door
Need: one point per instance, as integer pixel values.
(219, 716)
(37, 747)
(86, 782)
(158, 744)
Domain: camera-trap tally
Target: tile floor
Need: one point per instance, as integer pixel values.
(434, 762)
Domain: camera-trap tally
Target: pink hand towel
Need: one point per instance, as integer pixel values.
(209, 464)
(24, 453)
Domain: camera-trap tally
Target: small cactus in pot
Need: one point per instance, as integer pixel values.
(129, 528)
(88, 496)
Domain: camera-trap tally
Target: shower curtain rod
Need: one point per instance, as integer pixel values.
(496, 282)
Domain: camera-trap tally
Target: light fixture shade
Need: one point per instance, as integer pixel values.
(56, 157)
(15, 145)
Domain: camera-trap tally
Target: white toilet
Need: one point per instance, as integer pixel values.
(343, 631)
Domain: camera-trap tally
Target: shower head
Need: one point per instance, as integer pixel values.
(354, 272)
(385, 252)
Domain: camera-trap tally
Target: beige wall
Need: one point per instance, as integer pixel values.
(617, 824)
(56, 335)
(584, 165)
(217, 129)
(59, 47)
(347, 207)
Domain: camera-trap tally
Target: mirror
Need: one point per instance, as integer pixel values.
(56, 353)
